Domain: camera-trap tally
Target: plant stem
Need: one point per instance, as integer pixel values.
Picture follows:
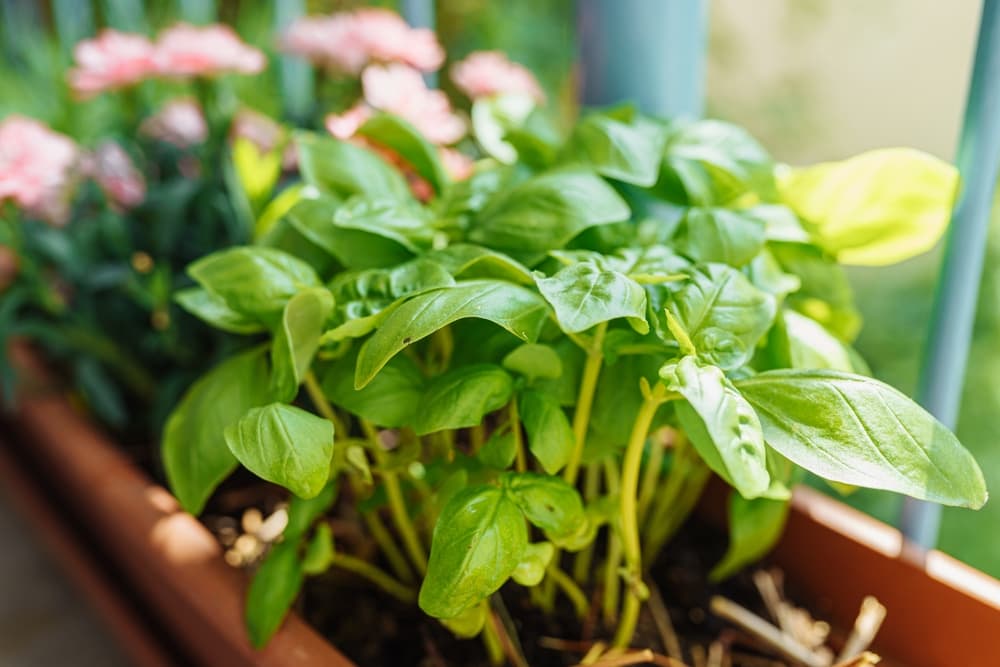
(383, 538)
(628, 515)
(679, 498)
(477, 437)
(612, 578)
(520, 462)
(397, 504)
(584, 558)
(323, 406)
(569, 587)
(491, 637)
(585, 401)
(376, 576)
(650, 477)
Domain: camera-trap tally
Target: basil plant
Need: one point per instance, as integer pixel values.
(556, 352)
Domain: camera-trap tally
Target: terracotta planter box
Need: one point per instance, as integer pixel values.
(941, 612)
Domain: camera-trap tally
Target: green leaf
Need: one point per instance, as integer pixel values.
(856, 430)
(273, 589)
(550, 437)
(811, 346)
(720, 424)
(548, 502)
(877, 208)
(493, 117)
(720, 235)
(531, 570)
(404, 222)
(389, 400)
(461, 398)
(195, 456)
(516, 309)
(395, 133)
(583, 295)
(345, 170)
(824, 292)
(320, 552)
(296, 342)
(754, 528)
(464, 260)
(479, 539)
(546, 212)
(285, 445)
(724, 315)
(533, 361)
(212, 309)
(628, 152)
(304, 512)
(468, 624)
(257, 171)
(499, 451)
(253, 281)
(732, 160)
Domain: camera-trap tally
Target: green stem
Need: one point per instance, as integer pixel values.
(520, 460)
(382, 537)
(585, 557)
(650, 477)
(570, 588)
(585, 401)
(323, 406)
(685, 482)
(477, 437)
(376, 576)
(612, 580)
(491, 637)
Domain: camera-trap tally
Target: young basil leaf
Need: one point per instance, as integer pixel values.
(583, 295)
(754, 528)
(720, 424)
(285, 445)
(390, 400)
(320, 552)
(630, 152)
(531, 570)
(499, 451)
(465, 260)
(406, 223)
(780, 223)
(723, 314)
(516, 309)
(493, 117)
(461, 397)
(468, 624)
(550, 437)
(395, 133)
(304, 512)
(766, 274)
(856, 430)
(545, 212)
(273, 589)
(733, 160)
(811, 346)
(345, 170)
(479, 539)
(548, 502)
(825, 293)
(877, 208)
(533, 361)
(195, 456)
(565, 388)
(253, 281)
(296, 342)
(212, 309)
(287, 238)
(720, 235)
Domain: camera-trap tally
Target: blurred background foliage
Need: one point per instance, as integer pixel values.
(813, 79)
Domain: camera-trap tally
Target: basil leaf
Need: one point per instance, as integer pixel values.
(531, 570)
(389, 400)
(465, 260)
(550, 437)
(212, 309)
(628, 152)
(296, 342)
(720, 424)
(516, 309)
(546, 212)
(462, 397)
(824, 292)
(272, 591)
(479, 539)
(583, 295)
(404, 222)
(811, 346)
(195, 456)
(732, 159)
(499, 451)
(404, 139)
(548, 502)
(533, 361)
(319, 553)
(285, 445)
(856, 430)
(344, 169)
(755, 526)
(493, 117)
(304, 512)
(720, 235)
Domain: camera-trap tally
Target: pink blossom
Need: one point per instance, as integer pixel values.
(400, 90)
(179, 122)
(258, 128)
(458, 165)
(113, 170)
(186, 51)
(488, 73)
(36, 168)
(345, 125)
(348, 41)
(111, 61)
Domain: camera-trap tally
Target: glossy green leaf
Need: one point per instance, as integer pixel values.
(285, 445)
(273, 589)
(344, 169)
(856, 430)
(493, 117)
(720, 424)
(550, 437)
(212, 309)
(296, 341)
(499, 451)
(461, 398)
(548, 502)
(533, 361)
(732, 160)
(531, 570)
(877, 208)
(468, 624)
(811, 346)
(479, 539)
(584, 295)
(468, 261)
(824, 292)
(395, 133)
(404, 222)
(257, 171)
(754, 528)
(516, 309)
(319, 553)
(720, 235)
(628, 152)
(390, 400)
(195, 456)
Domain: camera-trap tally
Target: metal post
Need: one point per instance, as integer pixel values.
(950, 336)
(649, 51)
(198, 12)
(74, 21)
(125, 15)
(296, 74)
(420, 14)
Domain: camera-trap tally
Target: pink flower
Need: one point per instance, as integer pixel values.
(179, 122)
(401, 90)
(111, 61)
(261, 130)
(345, 125)
(488, 73)
(187, 51)
(36, 168)
(458, 165)
(346, 42)
(113, 170)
